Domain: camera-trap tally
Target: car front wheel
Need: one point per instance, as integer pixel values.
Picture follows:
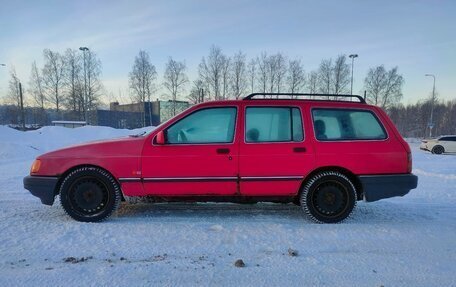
(328, 197)
(89, 194)
(438, 149)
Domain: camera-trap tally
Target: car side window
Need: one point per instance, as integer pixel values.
(211, 125)
(273, 124)
(447, 139)
(346, 124)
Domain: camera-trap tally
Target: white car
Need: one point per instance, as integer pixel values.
(440, 145)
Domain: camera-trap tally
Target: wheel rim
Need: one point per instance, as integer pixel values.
(330, 199)
(438, 149)
(88, 196)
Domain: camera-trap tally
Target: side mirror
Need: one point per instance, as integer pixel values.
(160, 138)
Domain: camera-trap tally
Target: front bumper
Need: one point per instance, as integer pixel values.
(424, 147)
(42, 187)
(376, 187)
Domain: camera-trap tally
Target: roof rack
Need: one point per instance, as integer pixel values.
(299, 95)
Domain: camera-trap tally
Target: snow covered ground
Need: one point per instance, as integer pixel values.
(409, 241)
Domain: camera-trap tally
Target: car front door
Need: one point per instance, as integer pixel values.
(199, 156)
(274, 154)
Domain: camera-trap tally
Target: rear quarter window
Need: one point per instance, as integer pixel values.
(346, 124)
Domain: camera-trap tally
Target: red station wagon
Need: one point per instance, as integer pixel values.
(321, 154)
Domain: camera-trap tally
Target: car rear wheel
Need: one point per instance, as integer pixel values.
(89, 194)
(438, 149)
(328, 197)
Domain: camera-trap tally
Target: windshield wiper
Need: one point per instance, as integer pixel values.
(138, 135)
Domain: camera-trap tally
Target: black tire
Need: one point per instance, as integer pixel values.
(328, 197)
(89, 194)
(438, 149)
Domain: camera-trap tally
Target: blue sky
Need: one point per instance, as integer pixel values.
(417, 36)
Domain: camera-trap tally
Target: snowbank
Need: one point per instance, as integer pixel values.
(16, 144)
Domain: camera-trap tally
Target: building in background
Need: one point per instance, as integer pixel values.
(128, 116)
(137, 115)
(69, 124)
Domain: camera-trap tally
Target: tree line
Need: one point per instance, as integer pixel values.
(412, 120)
(221, 76)
(69, 81)
(72, 81)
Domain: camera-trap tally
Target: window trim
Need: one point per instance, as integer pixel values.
(208, 143)
(291, 122)
(447, 138)
(382, 125)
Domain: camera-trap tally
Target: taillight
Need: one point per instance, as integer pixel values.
(35, 166)
(409, 162)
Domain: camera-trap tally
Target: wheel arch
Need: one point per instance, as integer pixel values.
(353, 178)
(68, 171)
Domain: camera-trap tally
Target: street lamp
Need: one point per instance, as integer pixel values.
(431, 124)
(84, 49)
(352, 56)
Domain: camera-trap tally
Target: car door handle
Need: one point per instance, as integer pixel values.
(223, 150)
(299, 149)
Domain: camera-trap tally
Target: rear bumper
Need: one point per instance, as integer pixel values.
(42, 187)
(376, 187)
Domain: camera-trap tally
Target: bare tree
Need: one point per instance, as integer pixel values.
(196, 95)
(15, 96)
(94, 87)
(53, 76)
(251, 71)
(312, 83)
(374, 82)
(341, 75)
(325, 76)
(211, 71)
(272, 72)
(296, 78)
(36, 86)
(384, 88)
(73, 82)
(238, 75)
(226, 77)
(142, 79)
(281, 70)
(175, 80)
(263, 68)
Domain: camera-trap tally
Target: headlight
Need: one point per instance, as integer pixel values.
(35, 166)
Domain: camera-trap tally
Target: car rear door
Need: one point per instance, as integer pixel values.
(200, 156)
(274, 154)
(451, 144)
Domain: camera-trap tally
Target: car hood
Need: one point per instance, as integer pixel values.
(125, 146)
